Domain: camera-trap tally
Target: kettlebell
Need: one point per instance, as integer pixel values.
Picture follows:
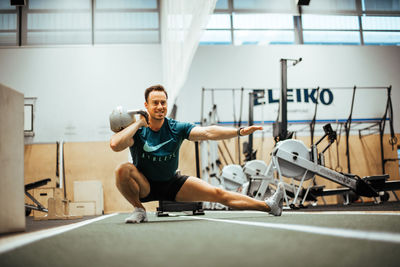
(121, 118)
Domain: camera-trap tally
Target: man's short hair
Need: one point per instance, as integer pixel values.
(157, 87)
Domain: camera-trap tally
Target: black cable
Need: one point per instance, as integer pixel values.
(234, 107)
(338, 167)
(312, 124)
(58, 160)
(197, 156)
(393, 138)
(63, 170)
(240, 123)
(347, 129)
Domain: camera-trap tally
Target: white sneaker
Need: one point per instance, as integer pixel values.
(275, 202)
(139, 215)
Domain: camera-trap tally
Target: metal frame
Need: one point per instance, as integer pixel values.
(16, 30)
(297, 12)
(297, 18)
(23, 11)
(371, 186)
(30, 101)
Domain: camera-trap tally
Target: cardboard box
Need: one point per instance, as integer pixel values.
(87, 191)
(82, 208)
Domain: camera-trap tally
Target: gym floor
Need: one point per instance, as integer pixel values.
(219, 238)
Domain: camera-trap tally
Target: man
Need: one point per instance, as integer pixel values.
(154, 147)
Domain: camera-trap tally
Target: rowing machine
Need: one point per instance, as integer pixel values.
(291, 159)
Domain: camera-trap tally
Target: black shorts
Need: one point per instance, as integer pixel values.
(165, 190)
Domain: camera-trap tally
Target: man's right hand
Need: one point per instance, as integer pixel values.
(143, 121)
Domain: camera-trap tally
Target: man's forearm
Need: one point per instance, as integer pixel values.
(218, 132)
(124, 138)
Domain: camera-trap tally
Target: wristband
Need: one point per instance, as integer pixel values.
(238, 131)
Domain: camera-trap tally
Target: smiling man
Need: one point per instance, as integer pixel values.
(153, 175)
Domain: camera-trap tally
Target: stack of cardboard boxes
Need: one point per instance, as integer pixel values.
(88, 198)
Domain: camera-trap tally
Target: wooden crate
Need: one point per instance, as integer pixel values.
(42, 195)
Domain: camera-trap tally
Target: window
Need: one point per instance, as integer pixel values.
(77, 22)
(263, 29)
(218, 30)
(272, 6)
(240, 27)
(8, 24)
(330, 29)
(381, 30)
(237, 22)
(381, 5)
(124, 21)
(348, 22)
(222, 4)
(50, 22)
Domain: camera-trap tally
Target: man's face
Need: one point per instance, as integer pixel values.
(156, 105)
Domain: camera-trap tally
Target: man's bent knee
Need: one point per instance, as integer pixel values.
(126, 172)
(123, 169)
(122, 172)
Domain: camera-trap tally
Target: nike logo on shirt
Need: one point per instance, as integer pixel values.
(149, 148)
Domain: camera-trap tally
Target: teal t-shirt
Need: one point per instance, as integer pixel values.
(156, 154)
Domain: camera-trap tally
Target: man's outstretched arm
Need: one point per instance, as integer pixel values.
(218, 132)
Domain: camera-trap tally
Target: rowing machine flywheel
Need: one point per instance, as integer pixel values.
(288, 168)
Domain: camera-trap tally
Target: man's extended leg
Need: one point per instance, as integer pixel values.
(133, 185)
(195, 189)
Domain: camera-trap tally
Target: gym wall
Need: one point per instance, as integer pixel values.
(324, 66)
(76, 88)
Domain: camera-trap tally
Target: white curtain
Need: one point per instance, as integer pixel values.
(183, 22)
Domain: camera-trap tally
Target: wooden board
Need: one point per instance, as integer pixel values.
(96, 161)
(42, 195)
(45, 156)
(12, 215)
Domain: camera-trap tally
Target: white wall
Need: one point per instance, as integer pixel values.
(77, 87)
(325, 66)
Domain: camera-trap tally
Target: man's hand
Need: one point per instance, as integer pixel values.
(250, 130)
(143, 120)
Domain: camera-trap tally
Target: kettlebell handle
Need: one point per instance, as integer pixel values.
(141, 112)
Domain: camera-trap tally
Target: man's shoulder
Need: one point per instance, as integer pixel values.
(179, 126)
(171, 122)
(175, 123)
